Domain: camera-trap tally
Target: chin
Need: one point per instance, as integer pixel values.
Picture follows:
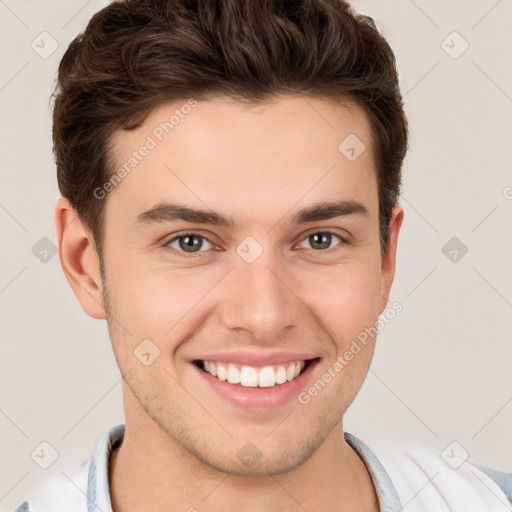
(250, 461)
(258, 457)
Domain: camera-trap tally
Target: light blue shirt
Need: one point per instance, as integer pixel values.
(97, 498)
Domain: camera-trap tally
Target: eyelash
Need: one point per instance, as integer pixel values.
(181, 254)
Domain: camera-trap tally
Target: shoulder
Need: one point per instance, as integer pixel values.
(61, 493)
(502, 479)
(429, 479)
(71, 490)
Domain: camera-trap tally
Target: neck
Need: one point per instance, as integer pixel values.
(150, 471)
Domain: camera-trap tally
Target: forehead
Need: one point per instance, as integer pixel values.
(250, 159)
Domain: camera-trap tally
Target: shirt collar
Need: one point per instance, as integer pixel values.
(98, 490)
(386, 491)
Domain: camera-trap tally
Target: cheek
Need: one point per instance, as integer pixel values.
(345, 298)
(159, 303)
(345, 304)
(165, 304)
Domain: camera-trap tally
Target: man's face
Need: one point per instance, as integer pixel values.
(268, 290)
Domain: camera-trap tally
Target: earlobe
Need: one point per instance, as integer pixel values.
(79, 259)
(389, 260)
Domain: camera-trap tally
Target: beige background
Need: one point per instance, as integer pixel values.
(442, 370)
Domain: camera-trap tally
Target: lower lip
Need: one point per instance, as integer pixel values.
(259, 398)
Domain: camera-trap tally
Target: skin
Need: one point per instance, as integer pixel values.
(259, 165)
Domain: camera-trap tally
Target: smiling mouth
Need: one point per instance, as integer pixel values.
(251, 376)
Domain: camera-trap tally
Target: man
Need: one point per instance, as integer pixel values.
(230, 175)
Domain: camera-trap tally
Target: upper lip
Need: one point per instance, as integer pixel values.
(255, 358)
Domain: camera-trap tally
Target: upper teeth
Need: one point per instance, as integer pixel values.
(248, 376)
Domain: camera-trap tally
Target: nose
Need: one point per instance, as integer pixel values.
(259, 298)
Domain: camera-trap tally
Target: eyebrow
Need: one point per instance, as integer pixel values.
(169, 212)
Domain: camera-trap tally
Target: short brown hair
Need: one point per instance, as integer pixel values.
(137, 54)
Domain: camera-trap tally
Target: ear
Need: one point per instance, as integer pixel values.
(389, 260)
(79, 259)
